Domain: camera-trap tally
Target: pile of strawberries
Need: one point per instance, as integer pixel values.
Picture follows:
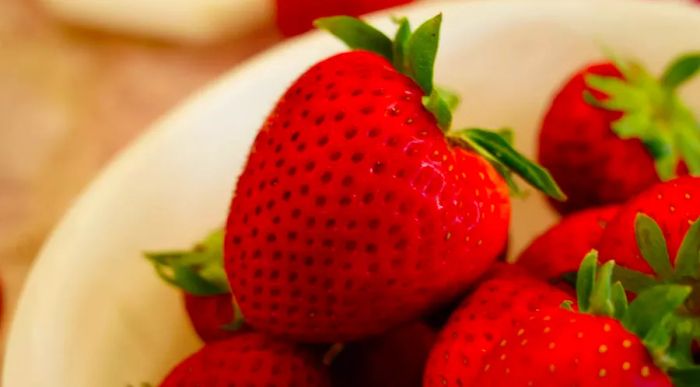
(363, 240)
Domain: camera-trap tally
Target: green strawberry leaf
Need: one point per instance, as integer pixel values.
(357, 34)
(680, 349)
(568, 305)
(585, 280)
(633, 281)
(686, 131)
(620, 96)
(619, 300)
(653, 304)
(601, 299)
(652, 245)
(493, 146)
(440, 109)
(507, 134)
(658, 340)
(421, 51)
(199, 271)
(686, 377)
(451, 98)
(688, 257)
(238, 319)
(505, 172)
(682, 69)
(400, 43)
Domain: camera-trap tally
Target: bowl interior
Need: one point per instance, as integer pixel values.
(94, 314)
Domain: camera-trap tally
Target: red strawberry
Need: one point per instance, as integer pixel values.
(251, 360)
(354, 212)
(674, 205)
(611, 116)
(210, 315)
(605, 343)
(199, 273)
(559, 250)
(297, 16)
(562, 348)
(656, 239)
(498, 303)
(394, 359)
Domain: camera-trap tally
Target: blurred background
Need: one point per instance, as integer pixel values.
(80, 79)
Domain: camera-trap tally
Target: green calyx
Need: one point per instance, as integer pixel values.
(199, 271)
(652, 246)
(413, 54)
(653, 112)
(652, 316)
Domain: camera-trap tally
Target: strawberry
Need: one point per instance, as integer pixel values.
(210, 316)
(508, 295)
(674, 205)
(604, 342)
(356, 211)
(558, 251)
(613, 115)
(251, 360)
(296, 16)
(656, 239)
(199, 273)
(394, 359)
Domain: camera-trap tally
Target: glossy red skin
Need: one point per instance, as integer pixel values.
(296, 16)
(562, 348)
(592, 165)
(251, 360)
(353, 214)
(560, 249)
(498, 304)
(208, 315)
(674, 205)
(394, 359)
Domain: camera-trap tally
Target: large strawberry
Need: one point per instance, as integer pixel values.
(394, 359)
(506, 297)
(356, 211)
(200, 274)
(613, 130)
(250, 360)
(604, 342)
(297, 16)
(559, 250)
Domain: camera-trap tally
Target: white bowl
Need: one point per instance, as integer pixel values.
(94, 314)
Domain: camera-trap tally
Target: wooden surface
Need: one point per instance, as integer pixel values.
(69, 100)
